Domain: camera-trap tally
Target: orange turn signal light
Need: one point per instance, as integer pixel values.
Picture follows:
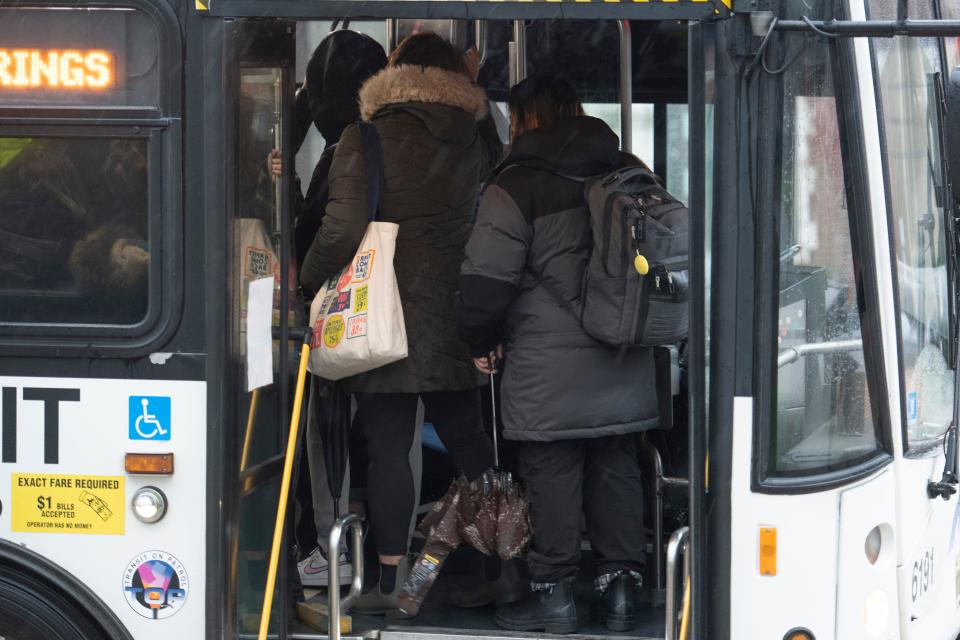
(768, 551)
(156, 464)
(798, 634)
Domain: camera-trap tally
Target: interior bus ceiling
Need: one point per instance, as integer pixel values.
(469, 10)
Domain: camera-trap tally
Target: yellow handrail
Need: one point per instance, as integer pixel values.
(284, 491)
(685, 618)
(248, 434)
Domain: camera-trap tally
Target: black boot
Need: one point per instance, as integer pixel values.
(553, 611)
(617, 608)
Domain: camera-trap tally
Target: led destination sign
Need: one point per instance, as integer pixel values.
(58, 69)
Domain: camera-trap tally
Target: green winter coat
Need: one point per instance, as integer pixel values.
(439, 144)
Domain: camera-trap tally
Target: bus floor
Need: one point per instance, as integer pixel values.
(438, 619)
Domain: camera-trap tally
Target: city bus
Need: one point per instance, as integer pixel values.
(805, 481)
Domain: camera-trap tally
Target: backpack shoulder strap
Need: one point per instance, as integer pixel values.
(373, 160)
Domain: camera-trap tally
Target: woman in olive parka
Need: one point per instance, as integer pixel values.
(439, 143)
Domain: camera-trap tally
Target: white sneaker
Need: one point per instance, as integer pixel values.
(315, 570)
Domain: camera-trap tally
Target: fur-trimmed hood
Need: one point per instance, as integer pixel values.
(395, 85)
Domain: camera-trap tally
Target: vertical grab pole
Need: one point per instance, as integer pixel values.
(278, 144)
(391, 35)
(626, 86)
(285, 488)
(480, 38)
(519, 50)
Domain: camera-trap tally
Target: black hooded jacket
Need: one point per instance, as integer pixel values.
(337, 69)
(532, 228)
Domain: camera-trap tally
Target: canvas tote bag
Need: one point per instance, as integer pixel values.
(356, 316)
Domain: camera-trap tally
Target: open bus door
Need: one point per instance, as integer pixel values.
(258, 78)
(831, 345)
(662, 108)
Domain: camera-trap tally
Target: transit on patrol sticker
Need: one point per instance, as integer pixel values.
(67, 503)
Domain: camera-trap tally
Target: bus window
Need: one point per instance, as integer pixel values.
(678, 152)
(950, 10)
(908, 71)
(642, 134)
(824, 420)
(74, 241)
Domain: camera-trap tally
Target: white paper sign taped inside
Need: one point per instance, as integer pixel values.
(259, 333)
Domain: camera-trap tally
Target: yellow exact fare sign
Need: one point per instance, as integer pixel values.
(45, 503)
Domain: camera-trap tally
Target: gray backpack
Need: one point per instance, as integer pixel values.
(634, 291)
(637, 279)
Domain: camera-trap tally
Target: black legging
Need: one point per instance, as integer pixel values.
(389, 424)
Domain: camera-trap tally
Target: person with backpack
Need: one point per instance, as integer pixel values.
(573, 402)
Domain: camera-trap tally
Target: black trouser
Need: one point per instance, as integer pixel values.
(599, 478)
(389, 424)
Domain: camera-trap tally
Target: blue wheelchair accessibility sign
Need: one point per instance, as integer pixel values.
(149, 417)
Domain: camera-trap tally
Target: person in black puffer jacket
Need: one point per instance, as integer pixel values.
(336, 70)
(574, 403)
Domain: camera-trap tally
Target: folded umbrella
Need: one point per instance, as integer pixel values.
(477, 515)
(440, 527)
(513, 521)
(489, 513)
(331, 409)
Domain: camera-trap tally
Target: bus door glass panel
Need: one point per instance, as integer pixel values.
(260, 414)
(823, 419)
(908, 71)
(74, 230)
(709, 100)
(256, 241)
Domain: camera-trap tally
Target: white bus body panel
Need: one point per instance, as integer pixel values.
(801, 594)
(94, 435)
(825, 580)
(930, 565)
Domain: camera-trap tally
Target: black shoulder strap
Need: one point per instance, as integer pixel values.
(373, 159)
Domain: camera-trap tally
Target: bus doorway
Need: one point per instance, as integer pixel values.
(645, 102)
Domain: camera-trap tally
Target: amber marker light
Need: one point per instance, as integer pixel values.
(798, 634)
(58, 69)
(156, 464)
(768, 551)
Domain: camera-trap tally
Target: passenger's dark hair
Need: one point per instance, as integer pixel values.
(429, 50)
(542, 101)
